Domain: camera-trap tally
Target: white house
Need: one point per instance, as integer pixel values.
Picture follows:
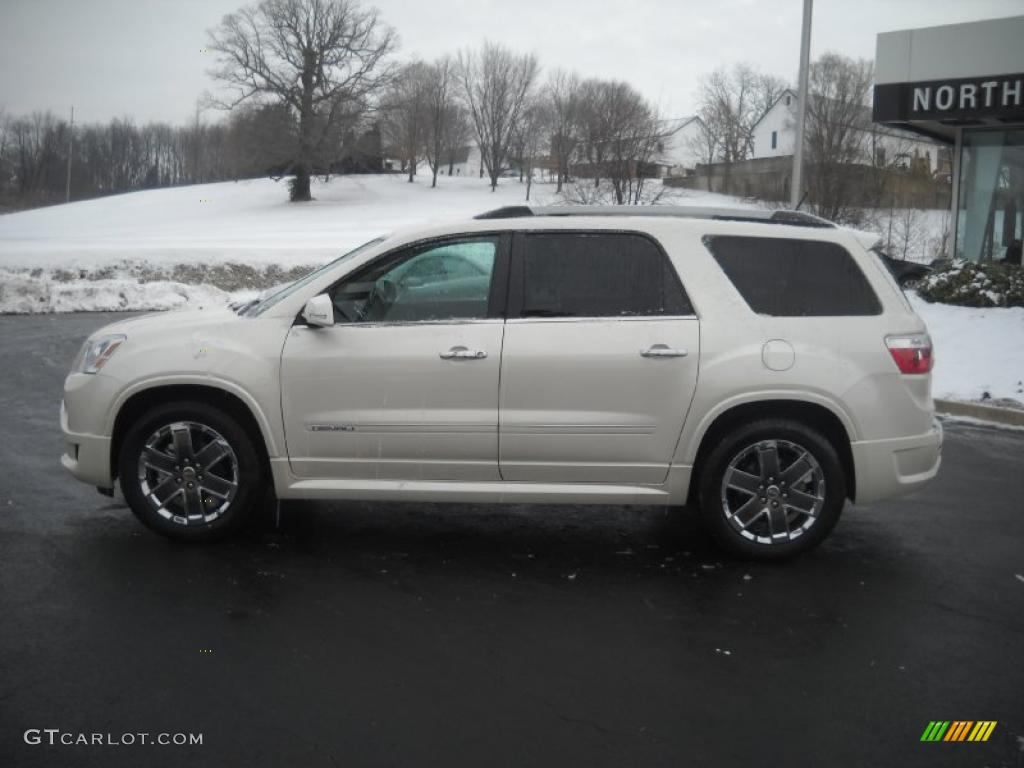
(773, 136)
(773, 133)
(465, 161)
(681, 151)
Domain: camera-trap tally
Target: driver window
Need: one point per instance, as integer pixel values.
(440, 281)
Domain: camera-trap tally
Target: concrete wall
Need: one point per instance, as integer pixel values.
(768, 179)
(763, 178)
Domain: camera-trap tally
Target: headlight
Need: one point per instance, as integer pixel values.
(96, 352)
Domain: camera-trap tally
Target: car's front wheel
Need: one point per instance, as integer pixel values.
(190, 471)
(771, 489)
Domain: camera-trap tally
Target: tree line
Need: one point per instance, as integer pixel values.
(851, 163)
(601, 129)
(108, 158)
(312, 87)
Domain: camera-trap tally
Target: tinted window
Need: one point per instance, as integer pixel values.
(445, 281)
(597, 275)
(794, 278)
(271, 299)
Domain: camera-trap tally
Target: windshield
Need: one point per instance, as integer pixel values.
(268, 301)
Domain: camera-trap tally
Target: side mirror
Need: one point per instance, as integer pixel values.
(319, 311)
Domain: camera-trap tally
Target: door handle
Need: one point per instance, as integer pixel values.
(462, 353)
(661, 350)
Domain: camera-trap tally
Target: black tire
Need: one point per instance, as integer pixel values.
(251, 488)
(784, 436)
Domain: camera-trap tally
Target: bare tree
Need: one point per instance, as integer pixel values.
(908, 235)
(323, 58)
(260, 139)
(458, 133)
(637, 136)
(533, 135)
(564, 100)
(704, 143)
(595, 125)
(404, 107)
(731, 103)
(621, 135)
(939, 244)
(837, 134)
(6, 160)
(495, 83)
(441, 113)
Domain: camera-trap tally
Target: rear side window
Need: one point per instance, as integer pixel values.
(794, 278)
(596, 274)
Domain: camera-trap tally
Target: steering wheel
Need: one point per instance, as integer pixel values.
(383, 295)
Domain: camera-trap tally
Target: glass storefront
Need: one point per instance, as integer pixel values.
(990, 210)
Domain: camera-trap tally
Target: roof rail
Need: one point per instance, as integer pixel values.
(760, 215)
(508, 212)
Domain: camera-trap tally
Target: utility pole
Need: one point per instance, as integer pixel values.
(71, 148)
(796, 187)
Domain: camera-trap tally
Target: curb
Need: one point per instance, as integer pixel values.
(992, 413)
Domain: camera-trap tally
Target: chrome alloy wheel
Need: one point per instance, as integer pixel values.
(773, 491)
(188, 473)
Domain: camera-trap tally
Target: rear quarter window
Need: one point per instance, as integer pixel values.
(794, 278)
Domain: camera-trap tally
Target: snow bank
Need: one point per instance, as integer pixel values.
(185, 245)
(252, 221)
(979, 352)
(23, 294)
(207, 244)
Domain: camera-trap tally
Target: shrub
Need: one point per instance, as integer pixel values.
(973, 284)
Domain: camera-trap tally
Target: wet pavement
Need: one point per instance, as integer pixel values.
(449, 635)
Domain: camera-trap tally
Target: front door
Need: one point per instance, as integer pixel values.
(600, 360)
(405, 384)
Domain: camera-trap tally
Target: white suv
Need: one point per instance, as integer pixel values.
(763, 366)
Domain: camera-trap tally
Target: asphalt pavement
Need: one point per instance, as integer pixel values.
(457, 635)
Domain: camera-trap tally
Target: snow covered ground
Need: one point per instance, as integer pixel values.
(979, 352)
(170, 247)
(204, 244)
(245, 221)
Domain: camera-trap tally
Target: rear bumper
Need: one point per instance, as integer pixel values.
(894, 467)
(87, 457)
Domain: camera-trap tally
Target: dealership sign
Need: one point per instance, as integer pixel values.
(964, 99)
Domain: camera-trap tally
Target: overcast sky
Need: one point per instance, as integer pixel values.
(141, 58)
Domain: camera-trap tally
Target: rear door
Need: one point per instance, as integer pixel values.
(599, 363)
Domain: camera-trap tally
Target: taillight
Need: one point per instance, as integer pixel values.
(912, 353)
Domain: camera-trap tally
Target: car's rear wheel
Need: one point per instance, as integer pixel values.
(771, 489)
(190, 471)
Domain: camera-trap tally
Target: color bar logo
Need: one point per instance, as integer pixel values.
(958, 730)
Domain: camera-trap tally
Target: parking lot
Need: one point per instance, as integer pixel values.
(388, 634)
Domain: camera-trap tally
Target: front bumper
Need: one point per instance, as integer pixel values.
(894, 467)
(86, 456)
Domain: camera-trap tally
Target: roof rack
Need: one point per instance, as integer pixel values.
(764, 216)
(508, 212)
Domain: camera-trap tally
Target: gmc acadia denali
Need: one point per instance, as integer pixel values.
(761, 366)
